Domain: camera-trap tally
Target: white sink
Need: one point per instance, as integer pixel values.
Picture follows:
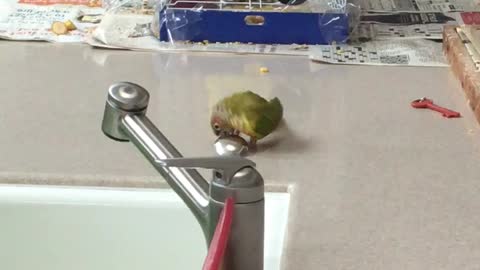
(68, 228)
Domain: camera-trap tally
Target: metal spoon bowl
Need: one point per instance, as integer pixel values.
(230, 145)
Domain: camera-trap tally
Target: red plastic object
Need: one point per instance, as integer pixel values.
(425, 103)
(220, 237)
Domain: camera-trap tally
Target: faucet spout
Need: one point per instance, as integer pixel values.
(187, 183)
(125, 120)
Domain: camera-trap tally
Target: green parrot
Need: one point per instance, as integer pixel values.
(247, 113)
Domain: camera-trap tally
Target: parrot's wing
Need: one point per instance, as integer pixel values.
(239, 101)
(264, 119)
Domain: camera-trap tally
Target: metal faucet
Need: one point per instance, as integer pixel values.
(125, 119)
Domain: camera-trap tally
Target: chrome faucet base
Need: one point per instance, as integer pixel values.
(125, 120)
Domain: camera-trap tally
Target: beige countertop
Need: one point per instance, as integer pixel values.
(375, 184)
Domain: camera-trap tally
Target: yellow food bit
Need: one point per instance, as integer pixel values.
(264, 70)
(70, 25)
(205, 42)
(59, 28)
(94, 3)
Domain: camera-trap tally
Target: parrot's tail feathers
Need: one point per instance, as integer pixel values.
(277, 110)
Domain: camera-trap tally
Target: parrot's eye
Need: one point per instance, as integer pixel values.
(216, 126)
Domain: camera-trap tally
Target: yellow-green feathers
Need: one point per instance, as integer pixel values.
(248, 113)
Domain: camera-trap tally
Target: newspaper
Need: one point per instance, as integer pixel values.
(409, 18)
(91, 3)
(418, 52)
(469, 18)
(420, 5)
(33, 22)
(409, 25)
(371, 31)
(403, 25)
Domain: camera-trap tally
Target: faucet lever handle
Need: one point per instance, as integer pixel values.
(227, 166)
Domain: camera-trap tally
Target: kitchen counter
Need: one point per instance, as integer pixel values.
(375, 184)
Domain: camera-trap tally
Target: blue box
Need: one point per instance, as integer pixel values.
(185, 24)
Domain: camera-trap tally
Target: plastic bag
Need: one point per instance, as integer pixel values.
(123, 22)
(266, 27)
(256, 21)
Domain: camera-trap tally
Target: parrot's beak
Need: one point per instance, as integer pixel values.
(222, 133)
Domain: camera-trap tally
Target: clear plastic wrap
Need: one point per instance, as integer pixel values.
(238, 26)
(256, 21)
(125, 24)
(115, 6)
